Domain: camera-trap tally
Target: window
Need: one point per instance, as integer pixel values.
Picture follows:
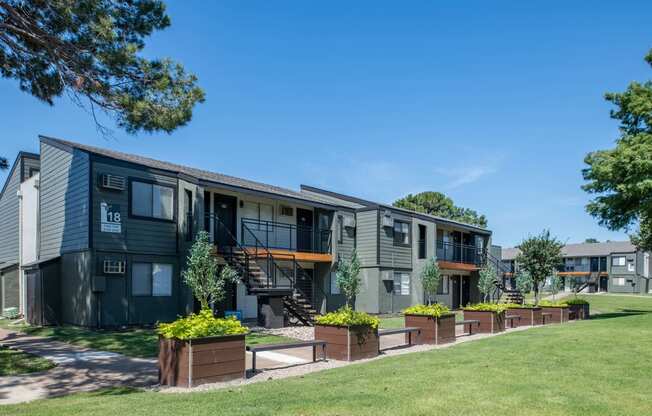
(630, 265)
(151, 279)
(618, 281)
(401, 233)
(259, 212)
(618, 261)
(335, 289)
(113, 267)
(444, 285)
(33, 171)
(340, 229)
(422, 241)
(287, 211)
(152, 201)
(189, 220)
(401, 283)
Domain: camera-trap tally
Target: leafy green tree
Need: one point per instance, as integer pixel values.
(430, 278)
(201, 275)
(91, 50)
(539, 256)
(348, 277)
(487, 281)
(436, 203)
(556, 284)
(621, 178)
(523, 282)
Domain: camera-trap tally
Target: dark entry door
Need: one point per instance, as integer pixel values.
(114, 305)
(455, 280)
(466, 290)
(604, 284)
(304, 230)
(226, 228)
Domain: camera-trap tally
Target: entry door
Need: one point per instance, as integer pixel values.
(466, 290)
(604, 284)
(455, 280)
(225, 210)
(304, 230)
(114, 302)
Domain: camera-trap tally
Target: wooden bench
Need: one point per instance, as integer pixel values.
(544, 316)
(273, 347)
(407, 330)
(511, 319)
(470, 323)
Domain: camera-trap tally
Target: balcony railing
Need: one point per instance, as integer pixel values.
(459, 253)
(277, 235)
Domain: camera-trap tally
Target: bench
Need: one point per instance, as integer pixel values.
(544, 316)
(273, 347)
(470, 323)
(407, 330)
(511, 319)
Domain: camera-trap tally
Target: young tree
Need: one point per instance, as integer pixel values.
(91, 50)
(621, 178)
(539, 256)
(348, 277)
(430, 278)
(436, 203)
(201, 274)
(487, 281)
(555, 284)
(523, 282)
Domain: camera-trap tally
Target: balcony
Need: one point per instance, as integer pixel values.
(459, 253)
(281, 236)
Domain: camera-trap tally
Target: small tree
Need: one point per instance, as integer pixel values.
(348, 277)
(539, 256)
(555, 284)
(487, 281)
(201, 273)
(430, 278)
(523, 282)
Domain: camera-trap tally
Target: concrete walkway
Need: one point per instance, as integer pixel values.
(78, 369)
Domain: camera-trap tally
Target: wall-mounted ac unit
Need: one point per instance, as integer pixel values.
(387, 220)
(114, 266)
(349, 222)
(113, 182)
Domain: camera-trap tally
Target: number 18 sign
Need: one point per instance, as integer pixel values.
(110, 218)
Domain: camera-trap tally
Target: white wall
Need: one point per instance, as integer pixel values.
(28, 196)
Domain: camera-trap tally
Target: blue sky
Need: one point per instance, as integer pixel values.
(494, 105)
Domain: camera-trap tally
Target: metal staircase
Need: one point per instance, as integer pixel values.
(507, 295)
(262, 273)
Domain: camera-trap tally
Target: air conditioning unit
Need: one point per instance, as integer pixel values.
(387, 220)
(113, 182)
(349, 222)
(114, 266)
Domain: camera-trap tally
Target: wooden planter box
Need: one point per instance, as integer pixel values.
(348, 343)
(433, 330)
(490, 322)
(200, 361)
(559, 314)
(579, 311)
(529, 316)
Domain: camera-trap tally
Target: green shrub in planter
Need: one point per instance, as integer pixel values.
(348, 317)
(576, 301)
(520, 306)
(435, 310)
(201, 325)
(487, 307)
(553, 304)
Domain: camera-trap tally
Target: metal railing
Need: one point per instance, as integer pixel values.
(277, 235)
(459, 253)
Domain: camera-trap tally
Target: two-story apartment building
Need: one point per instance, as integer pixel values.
(614, 266)
(109, 233)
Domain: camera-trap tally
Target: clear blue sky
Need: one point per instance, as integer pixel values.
(494, 105)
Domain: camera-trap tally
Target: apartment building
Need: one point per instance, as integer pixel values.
(613, 266)
(106, 235)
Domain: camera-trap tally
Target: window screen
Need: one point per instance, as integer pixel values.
(443, 285)
(161, 279)
(618, 261)
(163, 202)
(401, 233)
(141, 199)
(149, 200)
(141, 279)
(335, 289)
(401, 283)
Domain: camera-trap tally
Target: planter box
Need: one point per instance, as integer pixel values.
(200, 361)
(579, 311)
(559, 314)
(348, 343)
(529, 316)
(433, 330)
(490, 322)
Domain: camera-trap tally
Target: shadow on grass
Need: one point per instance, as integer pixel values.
(113, 391)
(623, 314)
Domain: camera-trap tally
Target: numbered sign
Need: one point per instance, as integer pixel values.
(111, 219)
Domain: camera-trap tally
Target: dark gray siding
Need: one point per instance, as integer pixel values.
(138, 235)
(78, 306)
(367, 237)
(64, 201)
(344, 248)
(399, 257)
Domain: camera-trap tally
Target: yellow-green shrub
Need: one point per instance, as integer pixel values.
(487, 307)
(436, 310)
(348, 317)
(551, 304)
(201, 325)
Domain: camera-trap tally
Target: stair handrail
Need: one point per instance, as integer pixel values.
(218, 223)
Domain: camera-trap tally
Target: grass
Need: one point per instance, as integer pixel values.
(14, 362)
(142, 343)
(595, 367)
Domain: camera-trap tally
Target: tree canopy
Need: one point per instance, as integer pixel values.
(430, 278)
(348, 277)
(436, 203)
(90, 50)
(539, 256)
(621, 178)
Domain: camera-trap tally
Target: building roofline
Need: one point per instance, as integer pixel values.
(19, 158)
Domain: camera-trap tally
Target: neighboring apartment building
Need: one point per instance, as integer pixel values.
(109, 233)
(614, 266)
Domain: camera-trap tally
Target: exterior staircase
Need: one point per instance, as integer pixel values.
(505, 294)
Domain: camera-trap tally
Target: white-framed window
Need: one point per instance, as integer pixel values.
(152, 201)
(401, 283)
(257, 211)
(401, 233)
(151, 279)
(618, 281)
(444, 285)
(631, 265)
(335, 289)
(618, 261)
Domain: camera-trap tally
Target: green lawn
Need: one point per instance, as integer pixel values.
(14, 362)
(596, 367)
(133, 342)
